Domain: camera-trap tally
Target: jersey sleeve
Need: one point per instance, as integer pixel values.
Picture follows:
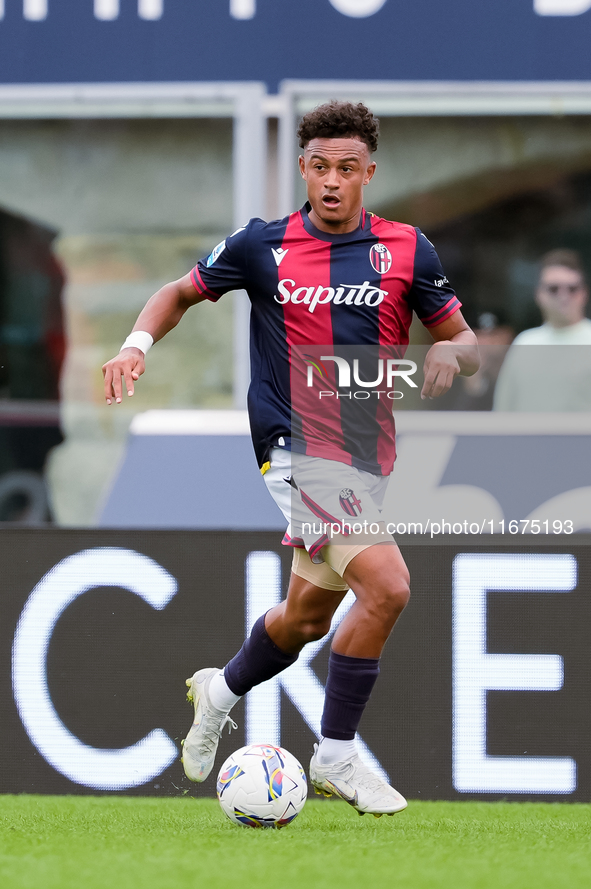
(431, 295)
(225, 268)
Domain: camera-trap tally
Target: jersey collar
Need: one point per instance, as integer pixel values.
(364, 224)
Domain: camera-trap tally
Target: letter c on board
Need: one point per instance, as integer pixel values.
(103, 769)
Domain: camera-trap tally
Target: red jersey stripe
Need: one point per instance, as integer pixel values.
(395, 316)
(200, 287)
(444, 312)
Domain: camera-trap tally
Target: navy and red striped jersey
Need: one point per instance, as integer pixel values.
(310, 288)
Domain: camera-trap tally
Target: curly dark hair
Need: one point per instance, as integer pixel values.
(337, 120)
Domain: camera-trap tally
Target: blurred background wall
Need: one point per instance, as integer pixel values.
(107, 207)
(132, 204)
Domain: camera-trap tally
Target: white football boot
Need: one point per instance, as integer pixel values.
(201, 744)
(357, 785)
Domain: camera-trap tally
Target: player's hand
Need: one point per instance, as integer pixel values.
(130, 365)
(440, 368)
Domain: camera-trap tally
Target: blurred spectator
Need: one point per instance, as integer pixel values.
(32, 345)
(555, 376)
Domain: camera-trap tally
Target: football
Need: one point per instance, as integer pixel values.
(262, 786)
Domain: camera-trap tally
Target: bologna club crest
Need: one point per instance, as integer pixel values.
(349, 502)
(380, 258)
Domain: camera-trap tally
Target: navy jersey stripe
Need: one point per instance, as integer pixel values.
(431, 292)
(269, 401)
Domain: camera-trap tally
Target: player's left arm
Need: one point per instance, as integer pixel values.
(454, 352)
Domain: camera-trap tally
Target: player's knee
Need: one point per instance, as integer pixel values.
(396, 600)
(401, 595)
(389, 599)
(312, 630)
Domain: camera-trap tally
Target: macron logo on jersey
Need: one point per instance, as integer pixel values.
(279, 255)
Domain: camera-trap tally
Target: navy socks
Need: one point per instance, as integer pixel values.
(349, 685)
(348, 688)
(259, 659)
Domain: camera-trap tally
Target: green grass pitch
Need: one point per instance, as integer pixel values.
(137, 843)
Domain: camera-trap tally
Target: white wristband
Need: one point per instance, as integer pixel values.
(139, 339)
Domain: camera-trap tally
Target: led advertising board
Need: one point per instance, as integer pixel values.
(483, 691)
(58, 41)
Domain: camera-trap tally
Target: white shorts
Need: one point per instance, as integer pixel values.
(333, 510)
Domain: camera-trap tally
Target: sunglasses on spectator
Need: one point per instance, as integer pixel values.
(555, 289)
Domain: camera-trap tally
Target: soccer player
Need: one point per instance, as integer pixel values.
(332, 275)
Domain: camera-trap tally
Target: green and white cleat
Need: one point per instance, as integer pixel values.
(201, 744)
(357, 785)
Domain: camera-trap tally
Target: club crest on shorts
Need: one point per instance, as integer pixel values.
(380, 258)
(349, 502)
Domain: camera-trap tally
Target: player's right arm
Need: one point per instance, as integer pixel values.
(162, 312)
(224, 269)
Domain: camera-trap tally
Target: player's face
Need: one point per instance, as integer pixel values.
(335, 171)
(561, 296)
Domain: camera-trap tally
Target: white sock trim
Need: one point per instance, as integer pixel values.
(220, 695)
(330, 751)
